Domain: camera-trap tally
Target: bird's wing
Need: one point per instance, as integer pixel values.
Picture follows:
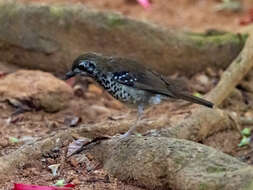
(132, 74)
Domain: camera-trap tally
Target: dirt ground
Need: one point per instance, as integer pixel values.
(194, 15)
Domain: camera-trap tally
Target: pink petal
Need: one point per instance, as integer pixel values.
(37, 187)
(144, 3)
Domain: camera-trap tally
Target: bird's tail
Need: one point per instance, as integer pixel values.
(194, 99)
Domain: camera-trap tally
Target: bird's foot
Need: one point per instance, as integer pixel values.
(125, 135)
(128, 134)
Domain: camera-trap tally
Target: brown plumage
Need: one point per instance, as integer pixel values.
(130, 82)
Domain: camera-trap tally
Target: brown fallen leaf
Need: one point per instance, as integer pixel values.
(72, 121)
(77, 146)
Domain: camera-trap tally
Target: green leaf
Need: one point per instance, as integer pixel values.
(244, 141)
(197, 94)
(60, 182)
(246, 131)
(13, 140)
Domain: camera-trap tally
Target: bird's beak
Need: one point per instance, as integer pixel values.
(71, 74)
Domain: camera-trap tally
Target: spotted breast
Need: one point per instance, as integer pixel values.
(126, 93)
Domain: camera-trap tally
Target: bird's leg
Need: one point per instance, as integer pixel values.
(133, 128)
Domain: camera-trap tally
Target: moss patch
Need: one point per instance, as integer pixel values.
(215, 169)
(115, 20)
(203, 186)
(56, 10)
(201, 40)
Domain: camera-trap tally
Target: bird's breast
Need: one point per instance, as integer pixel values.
(124, 93)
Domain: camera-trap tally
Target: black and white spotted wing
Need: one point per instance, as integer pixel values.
(125, 78)
(134, 75)
(140, 81)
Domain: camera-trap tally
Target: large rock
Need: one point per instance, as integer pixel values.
(37, 88)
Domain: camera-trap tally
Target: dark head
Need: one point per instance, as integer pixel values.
(84, 64)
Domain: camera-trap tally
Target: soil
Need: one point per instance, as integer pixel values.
(194, 15)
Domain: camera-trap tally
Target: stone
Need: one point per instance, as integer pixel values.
(37, 88)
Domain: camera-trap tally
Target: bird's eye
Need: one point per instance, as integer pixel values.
(87, 66)
(83, 65)
(91, 68)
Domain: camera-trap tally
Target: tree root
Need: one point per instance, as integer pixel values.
(54, 35)
(204, 122)
(233, 74)
(201, 124)
(168, 163)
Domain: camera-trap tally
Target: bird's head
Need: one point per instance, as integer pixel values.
(84, 65)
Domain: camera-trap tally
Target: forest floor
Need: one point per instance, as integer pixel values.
(192, 15)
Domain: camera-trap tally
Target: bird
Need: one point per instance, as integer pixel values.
(130, 82)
